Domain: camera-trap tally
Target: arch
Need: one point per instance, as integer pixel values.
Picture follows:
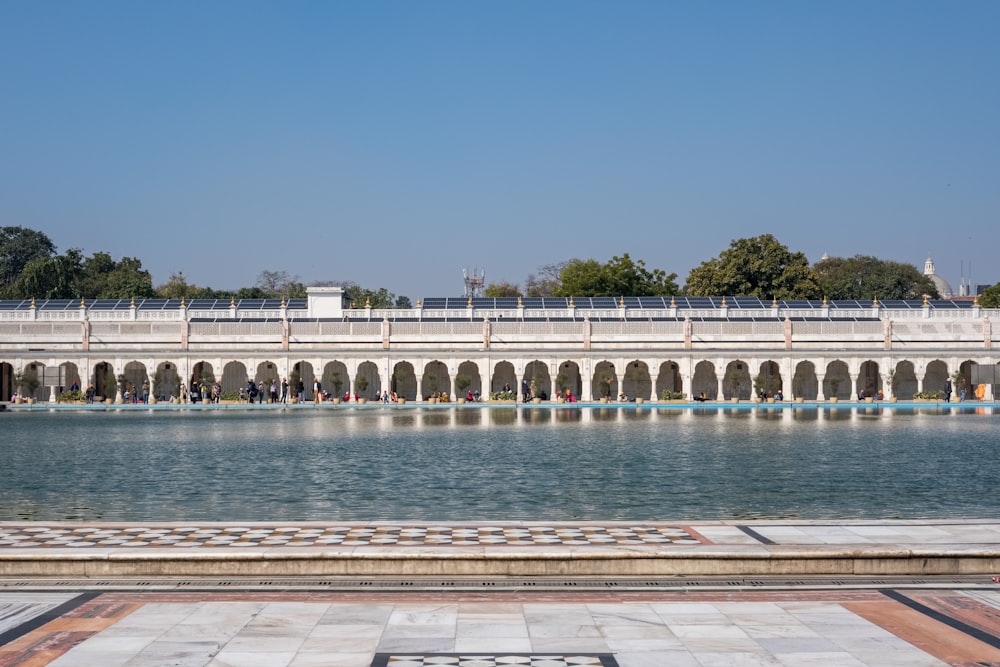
(336, 381)
(203, 372)
(435, 379)
(963, 387)
(903, 380)
(605, 381)
(637, 383)
(68, 374)
(869, 379)
(136, 381)
(805, 384)
(737, 380)
(105, 381)
(267, 371)
(936, 377)
(503, 375)
(31, 381)
(166, 381)
(705, 381)
(404, 381)
(470, 371)
(536, 381)
(669, 378)
(837, 380)
(234, 376)
(301, 377)
(568, 378)
(768, 380)
(369, 377)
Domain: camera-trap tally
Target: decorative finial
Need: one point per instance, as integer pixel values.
(418, 302)
(32, 302)
(825, 302)
(571, 302)
(621, 303)
(673, 302)
(520, 303)
(182, 302)
(723, 302)
(469, 302)
(975, 300)
(927, 301)
(132, 305)
(82, 304)
(774, 302)
(875, 302)
(368, 302)
(282, 302)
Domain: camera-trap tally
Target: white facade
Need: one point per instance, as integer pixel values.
(804, 349)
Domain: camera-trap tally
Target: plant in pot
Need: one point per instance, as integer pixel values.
(462, 383)
(834, 386)
(362, 385)
(561, 380)
(337, 384)
(432, 384)
(734, 386)
(958, 382)
(30, 382)
(758, 386)
(534, 390)
(605, 383)
(895, 380)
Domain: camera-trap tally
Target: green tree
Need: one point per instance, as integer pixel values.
(54, 277)
(19, 246)
(498, 290)
(865, 278)
(760, 267)
(179, 288)
(403, 302)
(103, 278)
(990, 297)
(380, 298)
(620, 276)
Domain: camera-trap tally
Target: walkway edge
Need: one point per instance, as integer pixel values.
(454, 562)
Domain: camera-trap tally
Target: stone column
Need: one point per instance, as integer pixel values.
(820, 396)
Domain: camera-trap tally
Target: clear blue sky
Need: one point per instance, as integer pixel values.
(395, 143)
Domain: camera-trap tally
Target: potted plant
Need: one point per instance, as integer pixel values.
(895, 380)
(432, 384)
(362, 384)
(758, 386)
(534, 391)
(337, 384)
(834, 386)
(462, 383)
(605, 383)
(561, 387)
(734, 385)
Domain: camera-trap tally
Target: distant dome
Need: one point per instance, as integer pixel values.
(943, 288)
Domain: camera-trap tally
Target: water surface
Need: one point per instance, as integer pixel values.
(458, 464)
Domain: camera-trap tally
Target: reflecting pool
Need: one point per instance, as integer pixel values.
(455, 464)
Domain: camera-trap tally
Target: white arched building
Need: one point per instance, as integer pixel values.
(642, 346)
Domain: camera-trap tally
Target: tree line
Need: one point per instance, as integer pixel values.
(760, 266)
(30, 268)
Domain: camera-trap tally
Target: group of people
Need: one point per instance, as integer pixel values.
(258, 393)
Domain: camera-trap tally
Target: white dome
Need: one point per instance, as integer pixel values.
(943, 288)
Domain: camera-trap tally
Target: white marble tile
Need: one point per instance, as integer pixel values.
(252, 659)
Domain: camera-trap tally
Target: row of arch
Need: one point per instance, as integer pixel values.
(737, 379)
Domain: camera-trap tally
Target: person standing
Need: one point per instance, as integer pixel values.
(284, 390)
(317, 389)
(274, 391)
(301, 391)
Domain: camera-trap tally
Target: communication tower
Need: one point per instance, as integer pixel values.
(475, 283)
